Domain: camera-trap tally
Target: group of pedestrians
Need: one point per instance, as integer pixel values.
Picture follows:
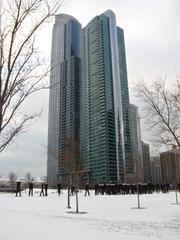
(121, 189)
(73, 189)
(109, 189)
(43, 192)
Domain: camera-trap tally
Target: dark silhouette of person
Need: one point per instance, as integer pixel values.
(42, 189)
(46, 188)
(87, 189)
(59, 188)
(30, 189)
(18, 188)
(96, 188)
(178, 187)
(73, 188)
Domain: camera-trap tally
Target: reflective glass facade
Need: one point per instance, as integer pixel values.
(64, 99)
(125, 103)
(89, 118)
(101, 105)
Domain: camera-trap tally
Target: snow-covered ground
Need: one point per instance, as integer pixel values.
(102, 217)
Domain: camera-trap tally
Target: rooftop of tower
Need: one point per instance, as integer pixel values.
(108, 13)
(65, 17)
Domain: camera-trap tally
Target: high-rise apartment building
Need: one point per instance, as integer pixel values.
(156, 171)
(64, 99)
(89, 102)
(170, 166)
(125, 104)
(136, 143)
(146, 162)
(104, 77)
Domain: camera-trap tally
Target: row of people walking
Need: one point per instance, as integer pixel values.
(43, 192)
(121, 189)
(73, 190)
(101, 189)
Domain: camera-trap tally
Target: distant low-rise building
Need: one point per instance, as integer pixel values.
(156, 171)
(170, 164)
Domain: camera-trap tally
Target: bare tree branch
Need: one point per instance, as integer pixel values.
(161, 106)
(16, 129)
(22, 70)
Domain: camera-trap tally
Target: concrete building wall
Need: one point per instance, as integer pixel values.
(170, 165)
(136, 143)
(156, 171)
(146, 162)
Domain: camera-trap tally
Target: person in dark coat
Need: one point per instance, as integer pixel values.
(18, 188)
(87, 189)
(30, 189)
(96, 189)
(46, 188)
(59, 188)
(42, 189)
(72, 190)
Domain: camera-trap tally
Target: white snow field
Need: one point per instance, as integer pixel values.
(106, 217)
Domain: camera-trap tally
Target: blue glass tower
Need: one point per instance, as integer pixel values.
(129, 166)
(64, 100)
(102, 108)
(89, 115)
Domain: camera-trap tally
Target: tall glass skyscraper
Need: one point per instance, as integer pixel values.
(106, 144)
(64, 99)
(125, 104)
(89, 115)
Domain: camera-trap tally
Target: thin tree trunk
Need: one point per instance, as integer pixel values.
(77, 202)
(68, 206)
(138, 198)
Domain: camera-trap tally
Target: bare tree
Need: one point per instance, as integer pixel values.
(161, 107)
(22, 70)
(29, 177)
(12, 176)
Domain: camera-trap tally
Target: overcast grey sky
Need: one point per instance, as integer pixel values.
(152, 38)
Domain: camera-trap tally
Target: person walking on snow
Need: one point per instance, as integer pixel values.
(30, 189)
(42, 189)
(18, 188)
(87, 189)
